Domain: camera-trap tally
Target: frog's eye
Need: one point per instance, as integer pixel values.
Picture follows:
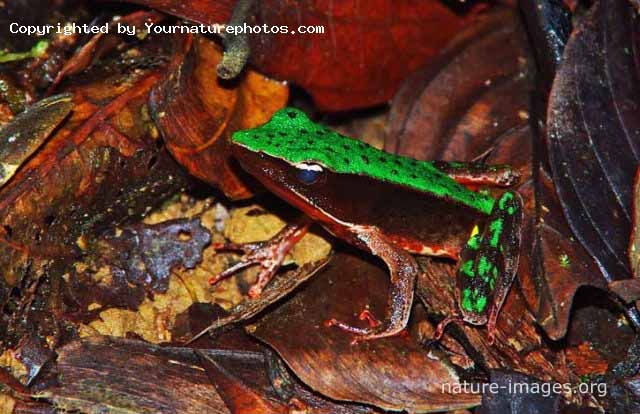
(308, 173)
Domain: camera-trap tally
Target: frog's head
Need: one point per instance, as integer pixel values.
(292, 156)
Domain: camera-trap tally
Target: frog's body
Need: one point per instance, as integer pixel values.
(390, 206)
(364, 201)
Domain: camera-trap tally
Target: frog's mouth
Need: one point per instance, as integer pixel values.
(278, 177)
(275, 174)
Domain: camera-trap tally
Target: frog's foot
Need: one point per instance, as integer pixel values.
(268, 255)
(363, 334)
(477, 174)
(374, 330)
(443, 325)
(365, 315)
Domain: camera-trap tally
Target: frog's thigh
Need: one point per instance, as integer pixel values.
(489, 261)
(403, 272)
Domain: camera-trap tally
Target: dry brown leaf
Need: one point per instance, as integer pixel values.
(197, 113)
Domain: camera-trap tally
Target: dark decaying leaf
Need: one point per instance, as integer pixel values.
(196, 113)
(393, 373)
(145, 254)
(102, 43)
(441, 112)
(595, 320)
(508, 401)
(260, 384)
(206, 12)
(104, 375)
(238, 396)
(549, 26)
(234, 374)
(489, 114)
(628, 290)
(29, 130)
(365, 52)
(249, 376)
(593, 128)
(34, 354)
(102, 166)
(623, 383)
(634, 245)
(35, 12)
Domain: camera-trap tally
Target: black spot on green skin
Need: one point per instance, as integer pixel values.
(420, 175)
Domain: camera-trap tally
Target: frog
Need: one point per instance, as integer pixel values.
(388, 205)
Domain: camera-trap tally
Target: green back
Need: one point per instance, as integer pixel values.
(291, 136)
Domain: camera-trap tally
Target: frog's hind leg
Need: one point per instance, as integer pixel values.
(476, 174)
(403, 272)
(508, 211)
(488, 265)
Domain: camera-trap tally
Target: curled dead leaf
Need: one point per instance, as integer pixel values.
(196, 112)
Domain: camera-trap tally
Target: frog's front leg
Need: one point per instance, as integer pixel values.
(488, 265)
(268, 255)
(403, 272)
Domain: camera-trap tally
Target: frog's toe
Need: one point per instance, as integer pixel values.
(246, 248)
(269, 269)
(376, 330)
(252, 255)
(359, 332)
(242, 264)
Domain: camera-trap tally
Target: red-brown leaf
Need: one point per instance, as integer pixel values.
(365, 52)
(393, 373)
(197, 113)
